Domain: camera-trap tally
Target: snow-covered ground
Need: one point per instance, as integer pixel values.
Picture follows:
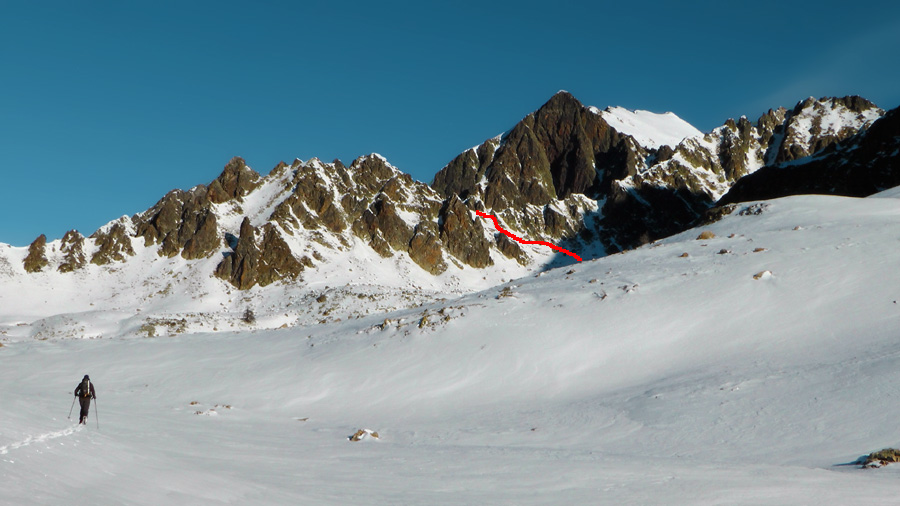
(748, 371)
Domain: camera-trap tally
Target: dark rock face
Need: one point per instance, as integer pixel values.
(559, 150)
(241, 267)
(510, 248)
(383, 227)
(860, 166)
(72, 248)
(425, 248)
(36, 259)
(462, 236)
(175, 220)
(205, 238)
(113, 245)
(260, 262)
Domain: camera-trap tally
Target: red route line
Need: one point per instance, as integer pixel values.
(523, 241)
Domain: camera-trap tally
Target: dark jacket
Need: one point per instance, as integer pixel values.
(80, 392)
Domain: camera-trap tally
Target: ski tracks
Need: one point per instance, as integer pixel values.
(39, 439)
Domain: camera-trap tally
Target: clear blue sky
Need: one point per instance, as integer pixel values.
(107, 105)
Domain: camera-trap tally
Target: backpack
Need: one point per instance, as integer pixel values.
(85, 388)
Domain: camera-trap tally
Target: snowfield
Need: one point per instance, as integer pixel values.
(651, 130)
(754, 367)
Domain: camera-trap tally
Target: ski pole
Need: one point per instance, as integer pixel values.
(70, 409)
(97, 414)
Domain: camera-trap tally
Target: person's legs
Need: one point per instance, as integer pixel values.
(85, 407)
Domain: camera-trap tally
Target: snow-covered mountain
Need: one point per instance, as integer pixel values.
(752, 366)
(315, 242)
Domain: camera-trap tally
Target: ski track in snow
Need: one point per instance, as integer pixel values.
(39, 439)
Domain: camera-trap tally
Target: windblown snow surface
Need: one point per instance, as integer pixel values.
(755, 370)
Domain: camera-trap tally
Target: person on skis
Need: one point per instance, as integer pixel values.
(85, 392)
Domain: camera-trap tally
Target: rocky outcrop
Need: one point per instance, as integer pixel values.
(36, 259)
(383, 228)
(241, 266)
(562, 156)
(202, 240)
(858, 167)
(464, 237)
(510, 248)
(113, 244)
(236, 181)
(813, 125)
(72, 248)
(426, 248)
(261, 257)
(184, 223)
(561, 149)
(175, 221)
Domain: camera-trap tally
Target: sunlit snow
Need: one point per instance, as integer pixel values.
(651, 130)
(671, 374)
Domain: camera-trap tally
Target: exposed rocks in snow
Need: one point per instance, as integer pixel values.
(763, 275)
(37, 255)
(72, 248)
(262, 262)
(880, 458)
(363, 434)
(113, 244)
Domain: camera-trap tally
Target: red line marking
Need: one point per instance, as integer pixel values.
(523, 241)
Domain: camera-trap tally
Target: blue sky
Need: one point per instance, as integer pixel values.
(108, 105)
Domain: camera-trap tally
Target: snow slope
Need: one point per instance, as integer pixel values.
(648, 377)
(651, 130)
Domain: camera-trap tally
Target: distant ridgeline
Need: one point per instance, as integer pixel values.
(593, 181)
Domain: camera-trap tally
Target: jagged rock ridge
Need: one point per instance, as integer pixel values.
(858, 166)
(562, 174)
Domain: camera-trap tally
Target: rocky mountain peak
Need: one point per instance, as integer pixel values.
(596, 181)
(236, 181)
